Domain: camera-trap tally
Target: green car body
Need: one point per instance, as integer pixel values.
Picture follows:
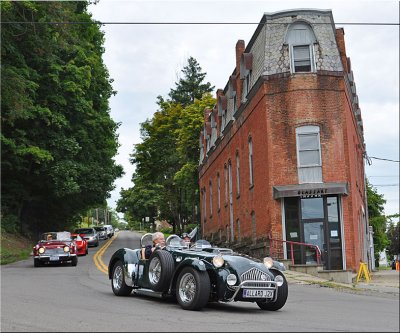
(198, 275)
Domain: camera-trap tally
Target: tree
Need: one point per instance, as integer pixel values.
(191, 86)
(58, 140)
(393, 235)
(166, 160)
(377, 219)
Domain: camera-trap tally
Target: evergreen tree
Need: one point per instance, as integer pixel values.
(191, 86)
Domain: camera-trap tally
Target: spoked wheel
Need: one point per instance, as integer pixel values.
(282, 296)
(192, 289)
(118, 285)
(161, 269)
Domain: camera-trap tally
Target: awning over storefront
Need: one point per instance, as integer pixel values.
(310, 190)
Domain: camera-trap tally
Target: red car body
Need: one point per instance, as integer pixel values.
(81, 244)
(55, 247)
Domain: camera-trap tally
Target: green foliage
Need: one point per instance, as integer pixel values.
(393, 234)
(191, 86)
(166, 160)
(377, 219)
(58, 139)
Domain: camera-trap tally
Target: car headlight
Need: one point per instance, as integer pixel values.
(268, 262)
(41, 250)
(218, 261)
(66, 248)
(231, 279)
(279, 280)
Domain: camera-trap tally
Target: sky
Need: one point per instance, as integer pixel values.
(145, 61)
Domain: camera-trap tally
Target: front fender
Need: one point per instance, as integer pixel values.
(198, 264)
(129, 259)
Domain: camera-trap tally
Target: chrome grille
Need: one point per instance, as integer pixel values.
(54, 251)
(255, 274)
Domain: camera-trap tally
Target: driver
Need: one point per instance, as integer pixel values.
(158, 243)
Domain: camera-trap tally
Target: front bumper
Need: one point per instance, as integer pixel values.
(256, 285)
(55, 258)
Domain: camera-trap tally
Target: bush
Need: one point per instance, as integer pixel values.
(10, 224)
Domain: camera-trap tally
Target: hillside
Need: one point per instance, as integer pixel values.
(14, 247)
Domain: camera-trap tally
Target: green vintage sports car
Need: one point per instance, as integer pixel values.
(198, 274)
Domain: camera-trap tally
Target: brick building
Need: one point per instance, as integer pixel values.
(282, 150)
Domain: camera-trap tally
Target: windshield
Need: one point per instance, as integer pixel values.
(201, 244)
(176, 242)
(56, 236)
(84, 231)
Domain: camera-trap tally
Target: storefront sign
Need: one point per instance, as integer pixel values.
(312, 193)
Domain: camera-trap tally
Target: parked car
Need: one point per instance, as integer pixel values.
(55, 247)
(110, 230)
(90, 234)
(198, 274)
(102, 231)
(81, 244)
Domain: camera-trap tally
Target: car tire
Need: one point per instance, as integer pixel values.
(193, 289)
(37, 263)
(161, 269)
(87, 251)
(74, 261)
(118, 285)
(283, 292)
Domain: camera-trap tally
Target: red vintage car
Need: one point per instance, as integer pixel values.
(81, 244)
(55, 247)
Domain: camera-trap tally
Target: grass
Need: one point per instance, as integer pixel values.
(14, 248)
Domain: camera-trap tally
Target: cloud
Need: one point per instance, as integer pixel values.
(145, 61)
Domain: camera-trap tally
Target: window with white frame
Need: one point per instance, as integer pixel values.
(253, 227)
(204, 205)
(309, 161)
(301, 38)
(219, 191)
(239, 237)
(251, 161)
(237, 174)
(226, 183)
(211, 197)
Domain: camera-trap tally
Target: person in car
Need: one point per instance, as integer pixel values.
(186, 238)
(158, 243)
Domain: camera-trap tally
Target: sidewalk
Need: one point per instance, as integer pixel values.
(384, 282)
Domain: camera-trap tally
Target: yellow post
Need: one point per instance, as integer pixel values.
(363, 271)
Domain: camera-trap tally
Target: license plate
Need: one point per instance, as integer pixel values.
(54, 258)
(256, 293)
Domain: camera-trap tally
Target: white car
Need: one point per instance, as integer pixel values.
(110, 230)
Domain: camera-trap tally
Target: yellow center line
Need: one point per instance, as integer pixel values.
(97, 258)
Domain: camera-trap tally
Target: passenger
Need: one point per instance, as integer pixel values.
(186, 238)
(158, 243)
(49, 237)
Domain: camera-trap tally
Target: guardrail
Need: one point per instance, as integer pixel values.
(313, 246)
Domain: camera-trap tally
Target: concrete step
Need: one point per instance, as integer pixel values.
(341, 276)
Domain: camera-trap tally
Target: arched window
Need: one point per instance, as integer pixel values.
(239, 236)
(226, 184)
(219, 191)
(211, 198)
(300, 38)
(237, 174)
(251, 161)
(253, 227)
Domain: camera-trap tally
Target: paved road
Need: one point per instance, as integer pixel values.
(79, 299)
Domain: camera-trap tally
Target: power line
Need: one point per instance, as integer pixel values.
(383, 159)
(385, 185)
(196, 23)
